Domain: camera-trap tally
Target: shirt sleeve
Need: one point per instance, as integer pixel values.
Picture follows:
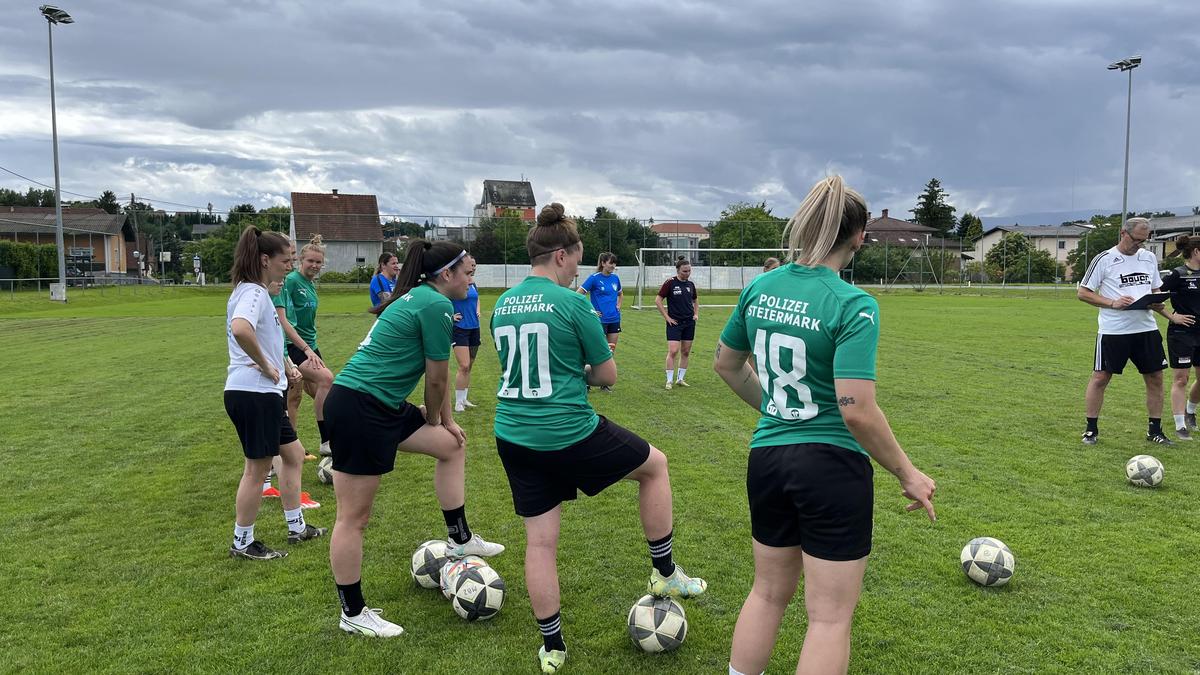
(1157, 282)
(591, 335)
(249, 304)
(1170, 281)
(856, 340)
(695, 295)
(279, 301)
(376, 284)
(1093, 278)
(734, 335)
(665, 290)
(587, 284)
(437, 321)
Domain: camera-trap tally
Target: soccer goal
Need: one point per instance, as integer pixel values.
(719, 273)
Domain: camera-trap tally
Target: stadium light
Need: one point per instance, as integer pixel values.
(53, 16)
(1125, 65)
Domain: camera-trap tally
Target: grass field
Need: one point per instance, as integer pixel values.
(118, 507)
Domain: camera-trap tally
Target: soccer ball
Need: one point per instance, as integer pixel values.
(987, 561)
(325, 470)
(1144, 470)
(478, 593)
(657, 624)
(451, 569)
(427, 563)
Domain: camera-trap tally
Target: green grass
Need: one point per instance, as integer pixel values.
(122, 466)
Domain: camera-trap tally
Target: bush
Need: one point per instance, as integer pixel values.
(29, 261)
(360, 275)
(334, 277)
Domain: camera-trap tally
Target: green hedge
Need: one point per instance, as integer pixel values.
(29, 261)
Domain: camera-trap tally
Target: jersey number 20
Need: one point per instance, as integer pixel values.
(533, 342)
(777, 377)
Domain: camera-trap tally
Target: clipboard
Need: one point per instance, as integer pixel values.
(1148, 299)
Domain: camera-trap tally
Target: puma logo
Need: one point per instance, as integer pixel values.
(870, 317)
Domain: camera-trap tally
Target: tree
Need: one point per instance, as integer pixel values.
(932, 209)
(970, 228)
(609, 231)
(1015, 259)
(745, 225)
(1095, 241)
(501, 240)
(108, 202)
(396, 228)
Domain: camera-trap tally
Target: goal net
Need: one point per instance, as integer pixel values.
(720, 274)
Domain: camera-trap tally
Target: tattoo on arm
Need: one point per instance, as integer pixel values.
(718, 354)
(845, 401)
(749, 374)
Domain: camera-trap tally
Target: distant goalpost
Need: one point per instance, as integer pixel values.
(713, 269)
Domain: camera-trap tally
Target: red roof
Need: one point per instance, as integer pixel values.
(678, 228)
(337, 217)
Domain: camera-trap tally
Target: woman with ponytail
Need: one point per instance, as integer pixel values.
(385, 278)
(254, 390)
(1183, 333)
(369, 419)
(678, 303)
(813, 338)
(551, 441)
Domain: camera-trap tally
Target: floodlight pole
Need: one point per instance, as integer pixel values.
(1127, 65)
(54, 15)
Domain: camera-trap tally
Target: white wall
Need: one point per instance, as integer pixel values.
(705, 278)
(341, 256)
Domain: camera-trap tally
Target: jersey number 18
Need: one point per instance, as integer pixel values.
(778, 378)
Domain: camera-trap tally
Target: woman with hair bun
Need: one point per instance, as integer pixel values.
(808, 479)
(369, 419)
(1183, 333)
(677, 302)
(550, 440)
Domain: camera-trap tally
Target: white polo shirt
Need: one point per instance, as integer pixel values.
(253, 303)
(1113, 274)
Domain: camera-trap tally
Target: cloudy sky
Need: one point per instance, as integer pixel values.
(662, 109)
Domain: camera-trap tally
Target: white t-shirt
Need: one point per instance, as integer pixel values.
(253, 303)
(1113, 274)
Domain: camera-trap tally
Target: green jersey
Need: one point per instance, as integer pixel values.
(298, 298)
(391, 359)
(544, 334)
(806, 328)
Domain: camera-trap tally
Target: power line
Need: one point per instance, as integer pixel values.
(145, 197)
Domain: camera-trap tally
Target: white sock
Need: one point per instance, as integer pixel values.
(460, 395)
(465, 395)
(1179, 422)
(1191, 408)
(733, 671)
(267, 483)
(242, 536)
(682, 372)
(295, 519)
(670, 374)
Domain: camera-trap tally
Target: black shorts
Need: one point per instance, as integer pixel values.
(261, 421)
(684, 330)
(299, 356)
(1183, 348)
(610, 328)
(466, 337)
(1144, 349)
(541, 480)
(812, 495)
(364, 432)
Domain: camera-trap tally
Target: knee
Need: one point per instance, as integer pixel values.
(655, 465)
(686, 352)
(773, 594)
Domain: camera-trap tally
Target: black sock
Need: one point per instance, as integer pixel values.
(660, 555)
(1093, 425)
(351, 597)
(321, 429)
(551, 629)
(456, 524)
(1155, 426)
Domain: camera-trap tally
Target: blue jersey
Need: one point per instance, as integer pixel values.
(469, 308)
(380, 284)
(604, 290)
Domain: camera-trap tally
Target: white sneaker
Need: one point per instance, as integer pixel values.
(681, 383)
(468, 403)
(474, 546)
(325, 451)
(369, 623)
(668, 386)
(458, 407)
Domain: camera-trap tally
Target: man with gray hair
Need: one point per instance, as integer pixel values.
(1114, 280)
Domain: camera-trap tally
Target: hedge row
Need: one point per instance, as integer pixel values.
(29, 261)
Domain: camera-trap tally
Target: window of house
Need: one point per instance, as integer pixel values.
(360, 261)
(1062, 244)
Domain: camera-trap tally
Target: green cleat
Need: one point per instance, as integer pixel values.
(678, 585)
(552, 661)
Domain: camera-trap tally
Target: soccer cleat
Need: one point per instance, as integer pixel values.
(1190, 420)
(474, 546)
(551, 661)
(606, 389)
(309, 457)
(1158, 438)
(309, 532)
(458, 407)
(369, 623)
(1090, 437)
(1183, 434)
(468, 403)
(256, 551)
(668, 386)
(325, 451)
(681, 383)
(271, 492)
(678, 585)
(307, 502)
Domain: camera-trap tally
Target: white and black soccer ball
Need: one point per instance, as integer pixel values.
(325, 470)
(478, 593)
(1144, 470)
(657, 624)
(451, 569)
(427, 563)
(988, 562)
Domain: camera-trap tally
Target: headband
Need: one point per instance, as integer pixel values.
(462, 254)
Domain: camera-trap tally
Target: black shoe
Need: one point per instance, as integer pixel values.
(309, 532)
(1158, 438)
(1183, 434)
(1190, 420)
(1090, 437)
(256, 551)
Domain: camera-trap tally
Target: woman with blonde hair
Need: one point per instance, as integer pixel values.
(813, 337)
(1183, 333)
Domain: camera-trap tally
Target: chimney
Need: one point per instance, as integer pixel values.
(335, 192)
(883, 216)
